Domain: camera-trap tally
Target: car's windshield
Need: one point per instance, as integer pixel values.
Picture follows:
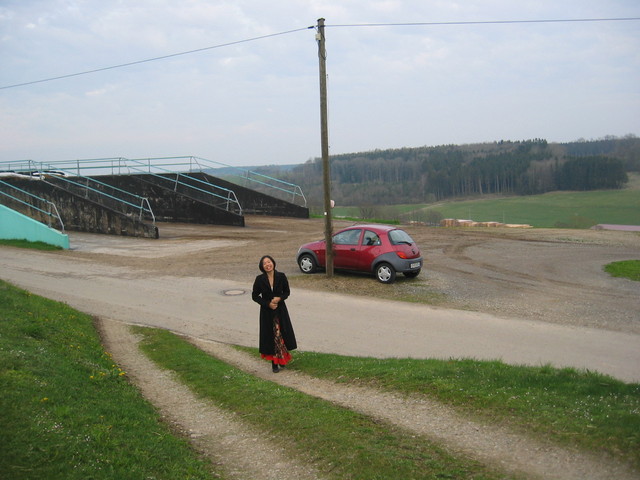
(400, 236)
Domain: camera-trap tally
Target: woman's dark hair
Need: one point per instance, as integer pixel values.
(262, 260)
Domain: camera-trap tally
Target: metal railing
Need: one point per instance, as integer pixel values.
(115, 198)
(164, 170)
(50, 213)
(249, 176)
(182, 183)
(292, 193)
(180, 164)
(73, 182)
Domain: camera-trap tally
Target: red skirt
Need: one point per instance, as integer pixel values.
(281, 355)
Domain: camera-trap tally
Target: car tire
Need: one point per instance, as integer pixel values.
(385, 273)
(307, 263)
(412, 274)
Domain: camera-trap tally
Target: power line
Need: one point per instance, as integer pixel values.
(154, 59)
(486, 22)
(408, 24)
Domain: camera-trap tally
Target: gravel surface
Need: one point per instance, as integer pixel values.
(549, 275)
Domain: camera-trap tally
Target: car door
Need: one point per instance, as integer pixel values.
(368, 250)
(345, 246)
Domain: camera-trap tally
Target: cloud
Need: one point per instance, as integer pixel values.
(257, 102)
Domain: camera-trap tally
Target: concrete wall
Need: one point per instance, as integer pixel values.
(16, 226)
(84, 215)
(256, 203)
(170, 206)
(88, 215)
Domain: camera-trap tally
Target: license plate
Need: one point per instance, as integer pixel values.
(415, 265)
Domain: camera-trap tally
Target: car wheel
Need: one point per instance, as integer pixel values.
(412, 274)
(307, 263)
(385, 273)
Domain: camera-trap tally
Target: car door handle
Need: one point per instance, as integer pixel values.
(353, 249)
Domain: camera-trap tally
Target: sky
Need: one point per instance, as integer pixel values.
(249, 95)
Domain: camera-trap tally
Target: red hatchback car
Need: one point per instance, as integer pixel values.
(379, 249)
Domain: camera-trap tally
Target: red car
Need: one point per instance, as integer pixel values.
(379, 249)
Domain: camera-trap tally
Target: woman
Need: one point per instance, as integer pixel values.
(270, 290)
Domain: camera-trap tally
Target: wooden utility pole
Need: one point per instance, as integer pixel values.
(324, 134)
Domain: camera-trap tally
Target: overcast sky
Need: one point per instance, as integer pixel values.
(258, 102)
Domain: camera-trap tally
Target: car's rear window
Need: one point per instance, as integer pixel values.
(400, 236)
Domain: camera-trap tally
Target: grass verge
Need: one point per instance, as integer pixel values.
(29, 244)
(413, 290)
(343, 443)
(581, 408)
(67, 411)
(626, 269)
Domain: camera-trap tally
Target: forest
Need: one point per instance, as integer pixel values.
(429, 174)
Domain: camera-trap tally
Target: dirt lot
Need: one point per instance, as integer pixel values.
(538, 274)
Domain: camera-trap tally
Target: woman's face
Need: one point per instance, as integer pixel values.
(267, 265)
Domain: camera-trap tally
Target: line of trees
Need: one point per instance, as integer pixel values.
(428, 174)
(591, 173)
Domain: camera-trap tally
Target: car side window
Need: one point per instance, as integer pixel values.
(348, 237)
(370, 238)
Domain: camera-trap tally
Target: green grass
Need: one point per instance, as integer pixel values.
(29, 244)
(343, 443)
(626, 269)
(555, 209)
(68, 412)
(585, 409)
(558, 209)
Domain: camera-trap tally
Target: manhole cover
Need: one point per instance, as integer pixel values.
(233, 292)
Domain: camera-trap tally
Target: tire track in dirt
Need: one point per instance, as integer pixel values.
(242, 452)
(458, 251)
(493, 445)
(246, 453)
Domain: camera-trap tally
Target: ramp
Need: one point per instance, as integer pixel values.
(16, 226)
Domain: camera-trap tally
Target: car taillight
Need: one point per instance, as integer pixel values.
(402, 255)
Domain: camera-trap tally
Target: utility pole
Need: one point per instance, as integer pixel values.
(324, 134)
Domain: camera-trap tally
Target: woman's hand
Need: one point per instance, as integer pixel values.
(274, 303)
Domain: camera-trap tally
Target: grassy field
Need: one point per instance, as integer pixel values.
(343, 443)
(556, 209)
(579, 408)
(574, 407)
(68, 411)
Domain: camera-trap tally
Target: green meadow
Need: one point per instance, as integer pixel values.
(70, 412)
(555, 209)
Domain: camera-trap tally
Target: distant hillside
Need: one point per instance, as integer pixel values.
(231, 171)
(553, 209)
(429, 174)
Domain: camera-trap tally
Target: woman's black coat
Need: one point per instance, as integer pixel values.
(262, 294)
